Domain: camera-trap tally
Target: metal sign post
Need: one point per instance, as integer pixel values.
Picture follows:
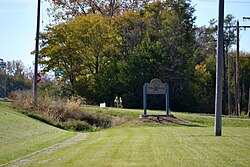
(145, 98)
(167, 99)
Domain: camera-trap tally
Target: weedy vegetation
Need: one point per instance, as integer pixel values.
(64, 113)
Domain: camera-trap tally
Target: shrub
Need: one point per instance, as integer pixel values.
(64, 112)
(77, 125)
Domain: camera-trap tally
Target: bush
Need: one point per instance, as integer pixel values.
(64, 112)
(77, 125)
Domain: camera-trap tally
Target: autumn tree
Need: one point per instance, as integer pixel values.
(104, 56)
(68, 9)
(80, 47)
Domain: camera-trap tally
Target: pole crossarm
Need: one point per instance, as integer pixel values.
(236, 27)
(246, 18)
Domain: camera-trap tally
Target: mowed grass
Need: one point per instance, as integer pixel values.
(134, 144)
(154, 146)
(21, 135)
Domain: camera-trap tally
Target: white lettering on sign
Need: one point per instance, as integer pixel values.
(153, 88)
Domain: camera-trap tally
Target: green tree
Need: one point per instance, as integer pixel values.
(161, 38)
(81, 48)
(245, 80)
(17, 77)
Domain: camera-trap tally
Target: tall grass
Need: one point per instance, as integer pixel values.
(63, 113)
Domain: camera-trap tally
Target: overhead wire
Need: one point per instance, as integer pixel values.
(214, 1)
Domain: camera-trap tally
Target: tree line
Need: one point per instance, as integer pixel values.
(111, 48)
(108, 49)
(17, 77)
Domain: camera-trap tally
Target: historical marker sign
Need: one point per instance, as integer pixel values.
(155, 87)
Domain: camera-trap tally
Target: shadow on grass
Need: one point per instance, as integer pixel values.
(5, 100)
(167, 120)
(212, 135)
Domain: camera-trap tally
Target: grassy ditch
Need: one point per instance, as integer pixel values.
(70, 114)
(65, 113)
(21, 135)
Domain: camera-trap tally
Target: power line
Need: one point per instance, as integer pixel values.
(213, 1)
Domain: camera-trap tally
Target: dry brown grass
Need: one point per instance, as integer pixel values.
(65, 113)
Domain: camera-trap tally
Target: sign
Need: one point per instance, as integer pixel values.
(59, 72)
(39, 78)
(155, 87)
(102, 105)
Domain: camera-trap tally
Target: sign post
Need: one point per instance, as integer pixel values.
(155, 87)
(167, 99)
(145, 98)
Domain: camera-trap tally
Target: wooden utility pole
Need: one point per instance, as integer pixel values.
(219, 61)
(237, 65)
(248, 113)
(36, 51)
(237, 83)
(228, 85)
(224, 83)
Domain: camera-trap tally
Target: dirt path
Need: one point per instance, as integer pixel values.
(27, 159)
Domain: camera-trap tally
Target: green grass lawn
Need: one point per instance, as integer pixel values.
(154, 146)
(21, 135)
(137, 144)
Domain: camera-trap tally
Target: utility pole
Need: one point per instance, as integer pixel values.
(224, 83)
(3, 67)
(248, 113)
(36, 51)
(219, 61)
(235, 88)
(5, 83)
(228, 85)
(237, 65)
(237, 101)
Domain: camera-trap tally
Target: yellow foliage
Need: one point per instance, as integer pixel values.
(202, 68)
